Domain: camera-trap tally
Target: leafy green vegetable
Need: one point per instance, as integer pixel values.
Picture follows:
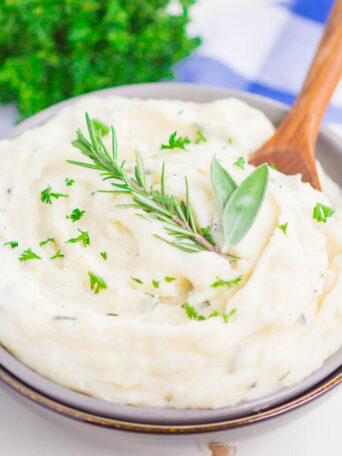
(96, 282)
(47, 240)
(321, 213)
(55, 50)
(75, 215)
(244, 204)
(230, 283)
(28, 255)
(83, 237)
(223, 184)
(240, 163)
(155, 283)
(57, 255)
(176, 143)
(13, 244)
(47, 194)
(169, 279)
(104, 255)
(283, 228)
(69, 182)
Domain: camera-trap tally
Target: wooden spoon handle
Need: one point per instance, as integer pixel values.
(306, 115)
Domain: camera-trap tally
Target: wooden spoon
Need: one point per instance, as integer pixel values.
(292, 148)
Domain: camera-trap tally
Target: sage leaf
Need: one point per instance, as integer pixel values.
(244, 204)
(222, 182)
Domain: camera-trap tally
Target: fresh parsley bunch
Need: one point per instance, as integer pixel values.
(52, 50)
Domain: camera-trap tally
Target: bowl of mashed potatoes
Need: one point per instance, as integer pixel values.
(107, 309)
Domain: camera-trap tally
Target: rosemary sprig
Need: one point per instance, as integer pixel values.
(176, 216)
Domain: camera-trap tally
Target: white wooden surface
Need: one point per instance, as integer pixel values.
(23, 433)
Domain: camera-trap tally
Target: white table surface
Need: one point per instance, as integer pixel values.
(23, 433)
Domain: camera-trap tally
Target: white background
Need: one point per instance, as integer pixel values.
(23, 433)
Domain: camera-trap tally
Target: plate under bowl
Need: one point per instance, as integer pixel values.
(329, 149)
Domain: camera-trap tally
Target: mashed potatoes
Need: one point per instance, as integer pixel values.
(133, 341)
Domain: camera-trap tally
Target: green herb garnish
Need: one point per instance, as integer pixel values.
(227, 316)
(283, 228)
(46, 195)
(223, 184)
(193, 314)
(75, 215)
(169, 279)
(9, 191)
(155, 283)
(228, 283)
(83, 237)
(104, 255)
(321, 213)
(240, 163)
(200, 136)
(137, 280)
(47, 240)
(13, 244)
(28, 255)
(176, 143)
(207, 234)
(57, 255)
(96, 282)
(69, 182)
(101, 127)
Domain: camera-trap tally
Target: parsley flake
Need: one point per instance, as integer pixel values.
(137, 280)
(230, 141)
(207, 234)
(96, 282)
(283, 228)
(28, 255)
(240, 162)
(229, 283)
(104, 255)
(200, 136)
(9, 191)
(57, 255)
(169, 279)
(13, 244)
(47, 240)
(46, 195)
(321, 213)
(227, 316)
(174, 142)
(69, 182)
(155, 283)
(75, 215)
(101, 127)
(83, 237)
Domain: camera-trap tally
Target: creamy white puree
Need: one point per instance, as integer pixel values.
(288, 316)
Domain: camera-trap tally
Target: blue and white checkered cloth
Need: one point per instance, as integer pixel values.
(265, 48)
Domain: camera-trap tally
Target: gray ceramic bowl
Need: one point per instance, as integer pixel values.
(330, 154)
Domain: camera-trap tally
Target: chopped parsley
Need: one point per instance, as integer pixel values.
(137, 280)
(155, 283)
(199, 132)
(193, 314)
(96, 282)
(104, 255)
(83, 237)
(47, 195)
(92, 193)
(47, 240)
(174, 142)
(13, 244)
(240, 162)
(283, 228)
(69, 182)
(169, 279)
(230, 141)
(227, 316)
(229, 283)
(28, 255)
(207, 234)
(9, 191)
(57, 255)
(102, 128)
(75, 215)
(321, 213)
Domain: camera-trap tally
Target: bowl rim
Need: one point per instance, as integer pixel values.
(149, 415)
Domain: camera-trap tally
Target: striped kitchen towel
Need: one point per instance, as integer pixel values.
(265, 48)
